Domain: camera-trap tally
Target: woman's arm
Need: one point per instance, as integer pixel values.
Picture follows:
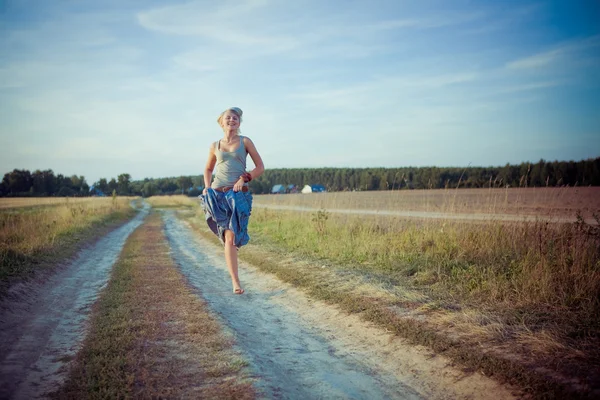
(258, 162)
(209, 168)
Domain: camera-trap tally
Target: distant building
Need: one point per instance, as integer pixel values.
(278, 189)
(291, 189)
(313, 189)
(94, 191)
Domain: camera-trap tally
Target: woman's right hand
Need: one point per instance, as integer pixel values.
(204, 191)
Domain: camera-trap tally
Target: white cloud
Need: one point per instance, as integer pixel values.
(240, 23)
(572, 53)
(530, 86)
(384, 92)
(143, 87)
(537, 60)
(431, 21)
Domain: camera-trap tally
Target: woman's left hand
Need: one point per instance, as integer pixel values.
(238, 185)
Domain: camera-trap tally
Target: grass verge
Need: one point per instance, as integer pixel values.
(438, 284)
(174, 201)
(151, 337)
(37, 238)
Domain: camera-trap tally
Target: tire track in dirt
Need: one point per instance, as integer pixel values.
(300, 348)
(43, 326)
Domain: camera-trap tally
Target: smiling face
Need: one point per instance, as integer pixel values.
(229, 121)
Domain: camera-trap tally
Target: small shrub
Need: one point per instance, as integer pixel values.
(319, 220)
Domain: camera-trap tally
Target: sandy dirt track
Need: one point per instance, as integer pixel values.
(42, 324)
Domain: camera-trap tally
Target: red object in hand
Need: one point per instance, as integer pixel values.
(246, 177)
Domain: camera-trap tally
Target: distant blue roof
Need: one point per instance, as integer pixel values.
(278, 189)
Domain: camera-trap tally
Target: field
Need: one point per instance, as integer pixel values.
(542, 202)
(508, 298)
(529, 290)
(25, 202)
(34, 229)
(172, 202)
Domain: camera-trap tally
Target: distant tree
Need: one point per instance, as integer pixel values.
(148, 189)
(508, 175)
(64, 185)
(168, 186)
(102, 185)
(595, 179)
(84, 189)
(334, 179)
(123, 184)
(38, 183)
(556, 173)
(535, 175)
(524, 171)
(75, 182)
(259, 185)
(18, 182)
(198, 181)
(44, 183)
(66, 191)
(5, 185)
(79, 185)
(184, 183)
(112, 186)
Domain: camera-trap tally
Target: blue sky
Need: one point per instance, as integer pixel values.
(99, 88)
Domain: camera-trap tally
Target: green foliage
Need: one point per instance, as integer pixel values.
(184, 183)
(123, 188)
(22, 183)
(542, 173)
(557, 173)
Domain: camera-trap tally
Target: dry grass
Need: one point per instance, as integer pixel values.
(551, 267)
(23, 202)
(34, 229)
(545, 350)
(490, 263)
(177, 201)
(548, 202)
(152, 337)
(516, 300)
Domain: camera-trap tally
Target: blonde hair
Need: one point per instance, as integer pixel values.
(237, 111)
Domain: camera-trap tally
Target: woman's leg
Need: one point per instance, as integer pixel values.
(231, 257)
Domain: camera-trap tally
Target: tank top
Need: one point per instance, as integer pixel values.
(230, 165)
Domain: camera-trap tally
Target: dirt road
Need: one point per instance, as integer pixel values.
(296, 347)
(42, 324)
(303, 349)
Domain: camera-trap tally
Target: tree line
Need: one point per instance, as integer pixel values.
(19, 183)
(542, 173)
(23, 183)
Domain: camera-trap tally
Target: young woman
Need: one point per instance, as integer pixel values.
(226, 200)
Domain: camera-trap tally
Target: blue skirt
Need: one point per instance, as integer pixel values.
(228, 211)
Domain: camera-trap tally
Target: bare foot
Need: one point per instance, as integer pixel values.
(238, 291)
